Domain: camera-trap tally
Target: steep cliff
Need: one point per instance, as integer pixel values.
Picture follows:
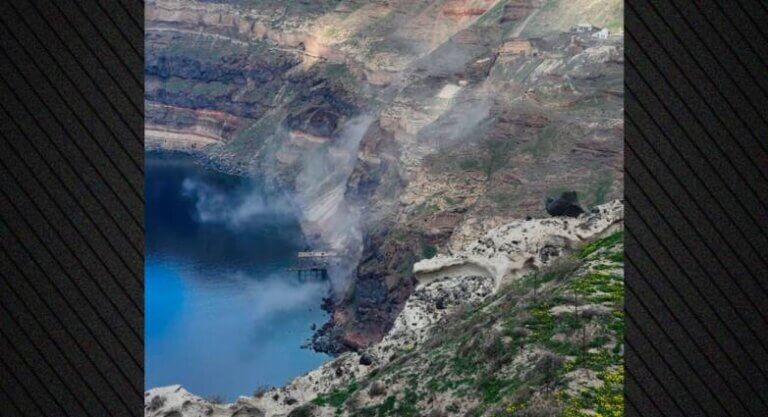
(405, 128)
(526, 321)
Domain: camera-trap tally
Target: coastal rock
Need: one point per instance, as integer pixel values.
(501, 256)
(175, 401)
(366, 359)
(267, 88)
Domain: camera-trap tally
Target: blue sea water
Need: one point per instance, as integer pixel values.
(223, 314)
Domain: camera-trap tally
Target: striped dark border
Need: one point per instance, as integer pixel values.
(696, 180)
(71, 208)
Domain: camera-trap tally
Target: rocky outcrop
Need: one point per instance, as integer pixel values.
(270, 89)
(519, 247)
(565, 205)
(175, 401)
(446, 285)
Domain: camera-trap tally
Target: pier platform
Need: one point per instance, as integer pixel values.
(313, 265)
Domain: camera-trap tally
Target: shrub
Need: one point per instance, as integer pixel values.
(337, 397)
(606, 242)
(610, 396)
(428, 251)
(377, 389)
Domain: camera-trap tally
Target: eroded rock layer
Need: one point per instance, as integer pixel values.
(406, 128)
(531, 307)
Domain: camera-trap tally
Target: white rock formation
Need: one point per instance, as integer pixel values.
(444, 284)
(518, 247)
(503, 254)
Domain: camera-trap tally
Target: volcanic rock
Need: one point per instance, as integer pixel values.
(565, 205)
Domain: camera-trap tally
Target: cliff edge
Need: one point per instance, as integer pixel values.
(526, 320)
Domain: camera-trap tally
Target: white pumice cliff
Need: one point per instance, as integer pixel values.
(446, 284)
(507, 251)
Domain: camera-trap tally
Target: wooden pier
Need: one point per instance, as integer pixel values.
(313, 265)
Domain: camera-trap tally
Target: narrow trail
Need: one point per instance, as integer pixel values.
(518, 30)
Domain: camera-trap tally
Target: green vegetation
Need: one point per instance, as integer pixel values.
(600, 189)
(340, 73)
(428, 251)
(606, 401)
(498, 153)
(336, 398)
(495, 156)
(195, 87)
(470, 165)
(517, 352)
(605, 243)
(492, 16)
(505, 199)
(544, 142)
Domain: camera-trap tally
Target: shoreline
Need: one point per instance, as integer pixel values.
(202, 157)
(509, 246)
(322, 338)
(183, 164)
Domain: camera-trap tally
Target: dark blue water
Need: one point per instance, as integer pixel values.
(223, 314)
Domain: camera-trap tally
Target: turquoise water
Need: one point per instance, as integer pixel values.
(223, 314)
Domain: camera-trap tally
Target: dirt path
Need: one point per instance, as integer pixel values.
(518, 30)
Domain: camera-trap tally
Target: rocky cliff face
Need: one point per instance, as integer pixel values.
(526, 320)
(406, 128)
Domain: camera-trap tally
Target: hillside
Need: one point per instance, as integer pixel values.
(547, 345)
(404, 128)
(527, 321)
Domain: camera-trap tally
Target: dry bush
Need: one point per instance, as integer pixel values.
(377, 389)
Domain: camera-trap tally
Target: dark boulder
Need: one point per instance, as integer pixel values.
(307, 410)
(366, 359)
(565, 205)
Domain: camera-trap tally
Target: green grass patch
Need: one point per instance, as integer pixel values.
(607, 242)
(336, 398)
(542, 323)
(600, 287)
(606, 400)
(601, 189)
(616, 257)
(491, 388)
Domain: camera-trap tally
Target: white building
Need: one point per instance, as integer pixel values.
(583, 28)
(602, 34)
